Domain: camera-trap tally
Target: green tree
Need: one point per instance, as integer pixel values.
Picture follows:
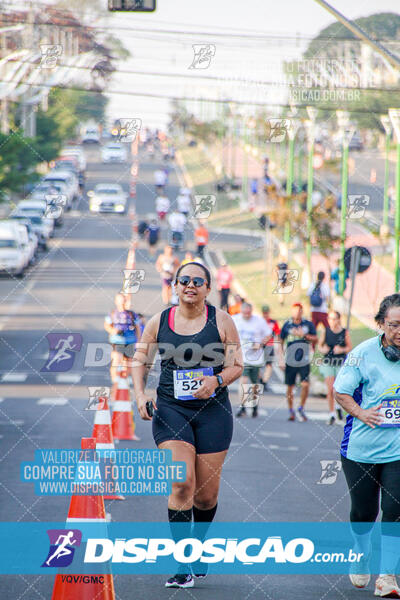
(18, 157)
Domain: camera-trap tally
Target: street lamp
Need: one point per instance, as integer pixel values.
(387, 125)
(310, 128)
(346, 133)
(394, 114)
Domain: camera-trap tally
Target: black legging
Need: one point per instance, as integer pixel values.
(367, 483)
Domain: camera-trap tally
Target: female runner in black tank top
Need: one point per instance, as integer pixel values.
(192, 416)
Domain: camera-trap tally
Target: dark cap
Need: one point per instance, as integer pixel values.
(265, 308)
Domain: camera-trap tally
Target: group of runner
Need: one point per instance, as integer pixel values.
(204, 349)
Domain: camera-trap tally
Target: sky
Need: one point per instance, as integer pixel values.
(290, 25)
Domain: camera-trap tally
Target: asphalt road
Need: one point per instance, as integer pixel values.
(273, 466)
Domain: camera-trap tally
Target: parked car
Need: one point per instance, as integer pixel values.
(77, 152)
(34, 232)
(70, 164)
(54, 194)
(38, 225)
(13, 256)
(69, 180)
(38, 207)
(114, 152)
(107, 197)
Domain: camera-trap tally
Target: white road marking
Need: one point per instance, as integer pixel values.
(68, 378)
(275, 447)
(14, 377)
(277, 434)
(16, 422)
(278, 388)
(1, 400)
(322, 416)
(53, 401)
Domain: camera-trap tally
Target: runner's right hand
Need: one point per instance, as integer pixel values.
(371, 416)
(141, 404)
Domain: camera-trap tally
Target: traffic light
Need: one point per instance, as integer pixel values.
(132, 5)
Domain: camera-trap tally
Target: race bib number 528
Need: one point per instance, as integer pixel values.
(390, 413)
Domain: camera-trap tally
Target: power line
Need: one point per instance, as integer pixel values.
(192, 98)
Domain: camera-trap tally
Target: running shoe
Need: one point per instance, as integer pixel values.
(180, 581)
(331, 420)
(386, 587)
(241, 411)
(359, 573)
(302, 414)
(255, 411)
(339, 414)
(292, 416)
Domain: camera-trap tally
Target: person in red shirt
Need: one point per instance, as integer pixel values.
(201, 235)
(269, 352)
(224, 280)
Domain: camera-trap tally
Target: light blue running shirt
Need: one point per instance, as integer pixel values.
(369, 378)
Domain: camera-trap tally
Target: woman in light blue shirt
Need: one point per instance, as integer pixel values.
(368, 388)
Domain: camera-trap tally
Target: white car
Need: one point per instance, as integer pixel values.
(13, 256)
(68, 179)
(78, 153)
(39, 225)
(108, 197)
(40, 208)
(114, 152)
(54, 194)
(91, 134)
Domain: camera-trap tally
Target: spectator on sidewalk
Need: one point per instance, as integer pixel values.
(270, 346)
(235, 308)
(297, 333)
(254, 334)
(201, 235)
(224, 280)
(318, 294)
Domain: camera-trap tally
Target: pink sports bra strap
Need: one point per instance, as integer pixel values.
(171, 316)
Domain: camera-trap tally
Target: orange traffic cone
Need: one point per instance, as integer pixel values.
(123, 425)
(85, 587)
(102, 432)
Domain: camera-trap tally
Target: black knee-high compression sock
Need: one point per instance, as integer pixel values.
(202, 520)
(181, 523)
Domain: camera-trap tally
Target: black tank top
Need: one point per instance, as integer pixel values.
(335, 339)
(193, 351)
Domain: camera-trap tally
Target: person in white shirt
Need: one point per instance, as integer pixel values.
(318, 294)
(183, 203)
(177, 222)
(162, 206)
(254, 334)
(160, 179)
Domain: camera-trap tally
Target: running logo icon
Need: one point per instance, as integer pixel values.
(50, 55)
(62, 349)
(97, 396)
(286, 280)
(62, 547)
(128, 129)
(132, 280)
(203, 53)
(204, 205)
(55, 205)
(277, 129)
(330, 471)
(357, 205)
(251, 394)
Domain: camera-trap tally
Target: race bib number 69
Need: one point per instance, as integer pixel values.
(390, 413)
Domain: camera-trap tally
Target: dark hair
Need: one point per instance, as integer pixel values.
(336, 312)
(321, 276)
(387, 302)
(206, 271)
